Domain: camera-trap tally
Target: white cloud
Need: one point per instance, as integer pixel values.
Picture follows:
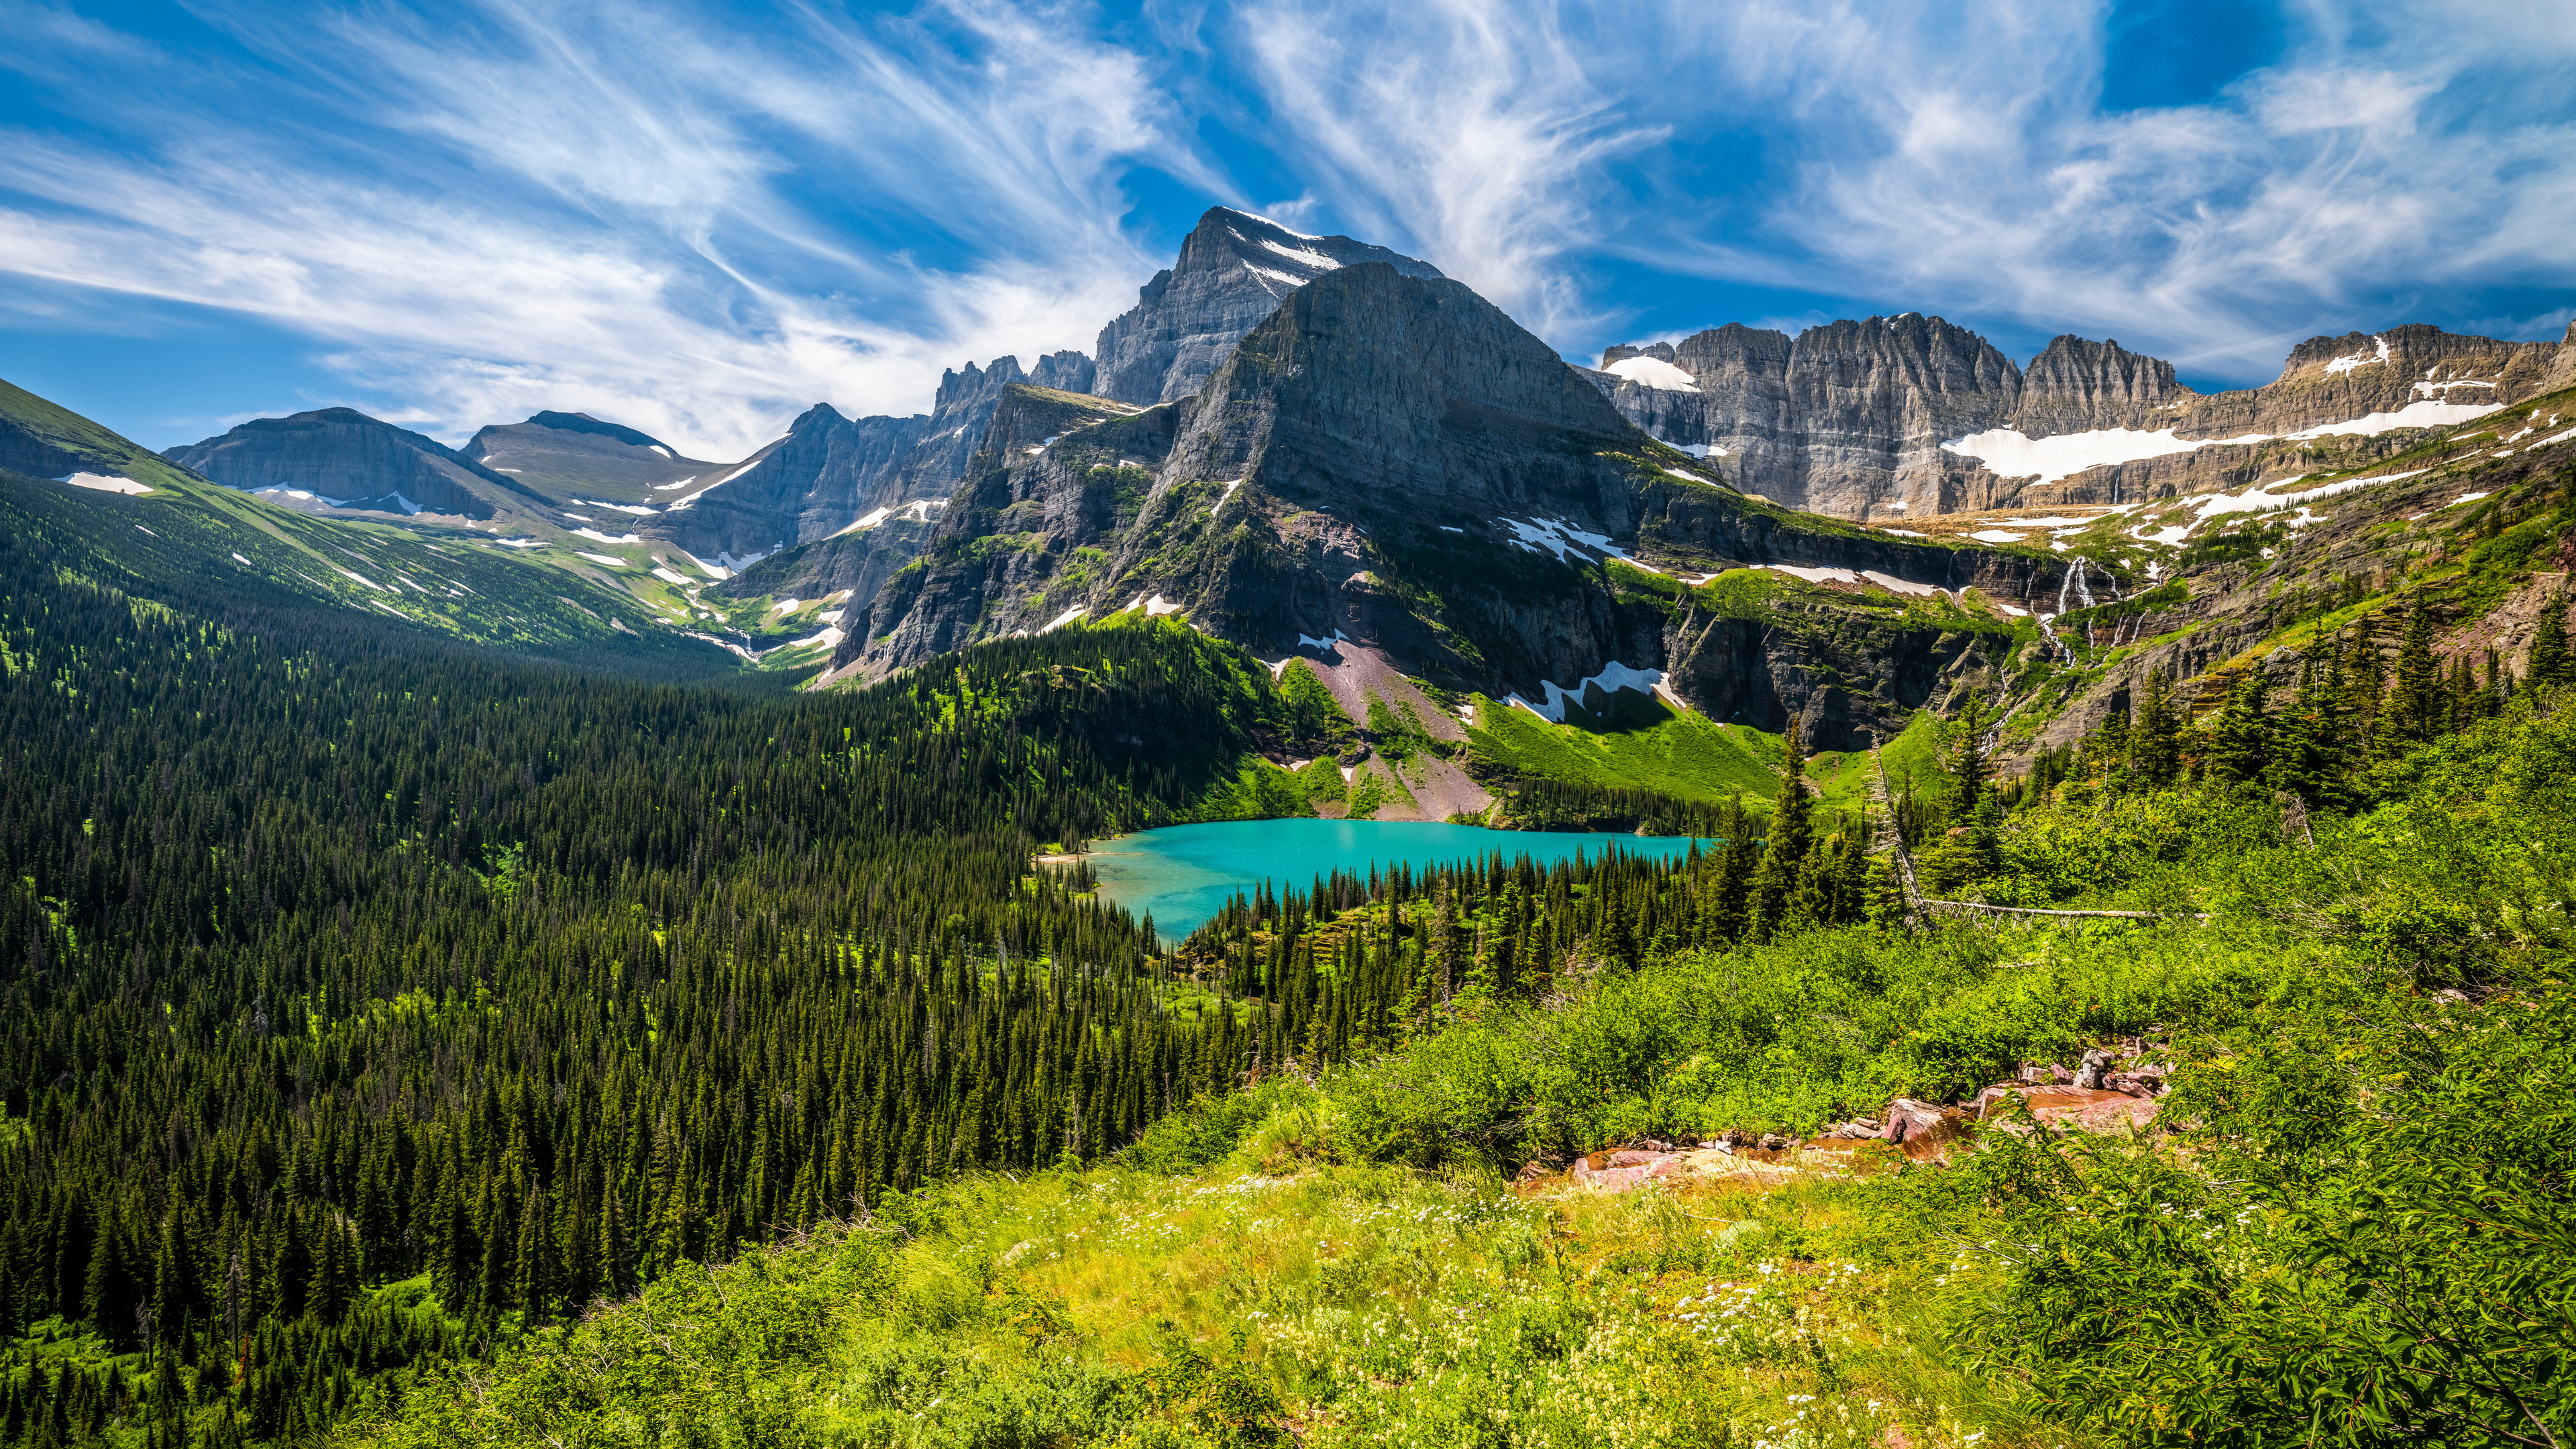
(1951, 159)
(620, 211)
(1460, 132)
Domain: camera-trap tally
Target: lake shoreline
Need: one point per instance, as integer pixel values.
(1181, 875)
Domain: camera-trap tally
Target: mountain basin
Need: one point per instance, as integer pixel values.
(1184, 874)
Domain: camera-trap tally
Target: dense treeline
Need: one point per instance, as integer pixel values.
(1352, 966)
(2355, 708)
(330, 963)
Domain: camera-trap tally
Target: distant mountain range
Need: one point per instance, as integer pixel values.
(1323, 450)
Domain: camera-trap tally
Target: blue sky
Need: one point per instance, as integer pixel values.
(700, 219)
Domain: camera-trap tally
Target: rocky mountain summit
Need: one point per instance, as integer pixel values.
(342, 458)
(831, 471)
(1911, 416)
(572, 457)
(1389, 478)
(1233, 271)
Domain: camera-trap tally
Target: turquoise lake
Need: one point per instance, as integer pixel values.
(1187, 873)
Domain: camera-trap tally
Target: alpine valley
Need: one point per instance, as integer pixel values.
(554, 941)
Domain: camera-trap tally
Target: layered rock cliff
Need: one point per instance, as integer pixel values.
(345, 458)
(830, 471)
(1909, 416)
(1388, 477)
(1233, 270)
(574, 456)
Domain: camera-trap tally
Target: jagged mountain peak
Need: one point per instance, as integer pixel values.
(1373, 367)
(1233, 270)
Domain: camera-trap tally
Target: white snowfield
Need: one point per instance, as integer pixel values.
(1158, 606)
(1653, 372)
(601, 558)
(676, 487)
(1299, 255)
(2011, 455)
(1060, 620)
(2262, 498)
(869, 519)
(2350, 361)
(1995, 535)
(669, 577)
(104, 483)
(1889, 582)
(830, 638)
(604, 538)
(1557, 536)
(1614, 676)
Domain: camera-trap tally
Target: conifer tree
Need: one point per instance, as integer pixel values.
(2415, 710)
(1726, 906)
(176, 1294)
(2548, 664)
(2155, 734)
(2240, 741)
(1784, 849)
(1967, 760)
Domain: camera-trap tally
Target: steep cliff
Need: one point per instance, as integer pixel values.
(1908, 417)
(830, 471)
(1233, 270)
(570, 456)
(1390, 478)
(344, 458)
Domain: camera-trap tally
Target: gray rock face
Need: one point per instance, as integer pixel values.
(1066, 371)
(829, 471)
(354, 461)
(1846, 419)
(2074, 386)
(22, 451)
(826, 472)
(1387, 467)
(574, 455)
(1234, 269)
(1849, 418)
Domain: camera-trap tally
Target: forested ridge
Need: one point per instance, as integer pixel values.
(331, 960)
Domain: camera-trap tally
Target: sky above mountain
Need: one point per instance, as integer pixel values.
(699, 220)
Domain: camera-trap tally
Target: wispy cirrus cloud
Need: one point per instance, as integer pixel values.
(701, 220)
(624, 210)
(2393, 162)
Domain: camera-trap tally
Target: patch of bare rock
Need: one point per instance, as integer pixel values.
(2112, 1089)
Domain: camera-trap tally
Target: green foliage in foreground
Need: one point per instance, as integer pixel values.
(2364, 1236)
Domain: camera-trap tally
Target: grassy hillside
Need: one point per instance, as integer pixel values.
(2355, 1228)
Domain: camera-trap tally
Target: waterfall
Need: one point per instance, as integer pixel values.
(2071, 581)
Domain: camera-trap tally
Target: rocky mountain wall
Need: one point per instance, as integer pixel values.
(1233, 270)
(1388, 469)
(344, 455)
(1849, 418)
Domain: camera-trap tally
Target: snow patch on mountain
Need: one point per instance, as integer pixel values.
(104, 483)
(601, 558)
(2350, 361)
(1301, 256)
(2413, 415)
(1653, 372)
(1614, 676)
(1557, 536)
(2012, 455)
